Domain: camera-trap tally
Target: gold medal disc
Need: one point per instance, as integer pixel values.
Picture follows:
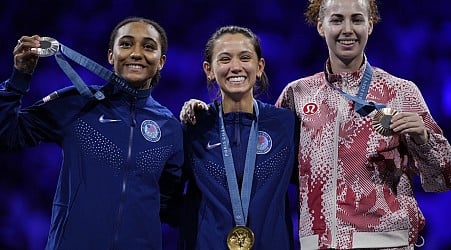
(382, 119)
(240, 238)
(48, 47)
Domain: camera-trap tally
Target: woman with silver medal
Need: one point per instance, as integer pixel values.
(113, 191)
(364, 133)
(239, 155)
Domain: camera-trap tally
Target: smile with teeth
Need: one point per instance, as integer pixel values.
(236, 79)
(347, 42)
(134, 66)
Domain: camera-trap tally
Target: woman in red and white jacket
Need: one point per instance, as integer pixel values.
(363, 135)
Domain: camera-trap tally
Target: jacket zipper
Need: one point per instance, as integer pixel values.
(128, 168)
(238, 161)
(342, 104)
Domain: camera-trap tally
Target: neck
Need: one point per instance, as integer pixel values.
(244, 104)
(141, 85)
(340, 66)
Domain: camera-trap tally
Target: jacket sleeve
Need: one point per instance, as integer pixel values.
(432, 159)
(21, 128)
(286, 99)
(170, 182)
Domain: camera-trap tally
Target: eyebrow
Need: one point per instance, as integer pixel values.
(352, 15)
(132, 37)
(227, 53)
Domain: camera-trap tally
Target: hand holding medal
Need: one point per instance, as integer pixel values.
(25, 54)
(410, 123)
(29, 49)
(388, 121)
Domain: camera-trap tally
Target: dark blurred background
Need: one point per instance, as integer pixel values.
(413, 41)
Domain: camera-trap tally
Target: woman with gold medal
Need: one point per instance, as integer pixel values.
(364, 133)
(239, 155)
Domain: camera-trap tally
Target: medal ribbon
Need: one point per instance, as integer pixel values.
(94, 67)
(240, 204)
(361, 106)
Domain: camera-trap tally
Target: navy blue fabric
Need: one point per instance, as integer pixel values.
(108, 192)
(207, 214)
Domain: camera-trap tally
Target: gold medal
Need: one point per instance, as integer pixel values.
(48, 47)
(240, 238)
(382, 119)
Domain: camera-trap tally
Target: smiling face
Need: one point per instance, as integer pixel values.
(136, 54)
(346, 27)
(235, 66)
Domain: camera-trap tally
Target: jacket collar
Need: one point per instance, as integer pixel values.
(350, 79)
(117, 85)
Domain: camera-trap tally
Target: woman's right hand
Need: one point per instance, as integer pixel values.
(189, 110)
(25, 54)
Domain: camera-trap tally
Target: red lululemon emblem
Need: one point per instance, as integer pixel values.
(310, 108)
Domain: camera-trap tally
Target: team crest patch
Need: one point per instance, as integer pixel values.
(264, 143)
(150, 130)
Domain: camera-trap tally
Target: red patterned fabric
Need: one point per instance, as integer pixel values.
(353, 179)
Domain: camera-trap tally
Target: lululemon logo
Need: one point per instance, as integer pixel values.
(310, 108)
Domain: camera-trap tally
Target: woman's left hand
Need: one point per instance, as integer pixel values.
(410, 123)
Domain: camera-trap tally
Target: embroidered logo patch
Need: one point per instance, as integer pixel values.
(264, 143)
(310, 108)
(150, 130)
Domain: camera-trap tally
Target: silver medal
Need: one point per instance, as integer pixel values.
(49, 46)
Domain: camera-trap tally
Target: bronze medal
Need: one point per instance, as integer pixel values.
(240, 238)
(48, 47)
(381, 121)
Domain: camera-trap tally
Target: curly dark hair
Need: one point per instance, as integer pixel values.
(315, 11)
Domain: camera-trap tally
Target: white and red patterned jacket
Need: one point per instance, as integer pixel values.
(356, 184)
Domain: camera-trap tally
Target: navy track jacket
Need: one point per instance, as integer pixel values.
(119, 154)
(207, 215)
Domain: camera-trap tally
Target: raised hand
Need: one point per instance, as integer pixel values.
(410, 123)
(25, 54)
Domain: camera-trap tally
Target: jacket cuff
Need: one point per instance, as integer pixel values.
(19, 82)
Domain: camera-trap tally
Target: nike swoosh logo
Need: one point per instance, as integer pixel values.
(212, 146)
(106, 120)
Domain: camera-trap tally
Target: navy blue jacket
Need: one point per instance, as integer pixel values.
(207, 214)
(119, 154)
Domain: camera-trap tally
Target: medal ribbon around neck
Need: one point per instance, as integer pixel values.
(361, 106)
(50, 46)
(240, 203)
